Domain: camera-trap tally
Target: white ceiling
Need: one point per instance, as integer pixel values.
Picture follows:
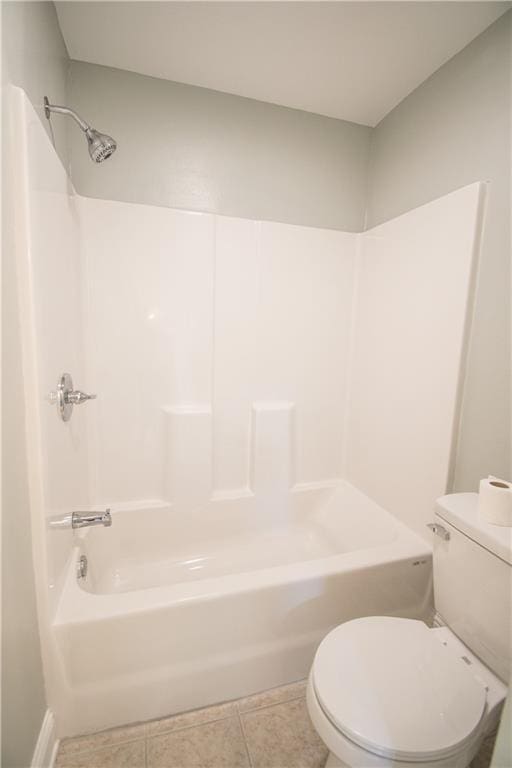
(350, 60)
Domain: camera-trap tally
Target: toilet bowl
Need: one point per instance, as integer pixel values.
(392, 692)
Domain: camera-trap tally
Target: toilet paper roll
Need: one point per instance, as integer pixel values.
(495, 501)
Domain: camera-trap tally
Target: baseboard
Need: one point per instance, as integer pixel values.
(47, 743)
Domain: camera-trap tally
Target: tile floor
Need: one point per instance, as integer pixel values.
(268, 730)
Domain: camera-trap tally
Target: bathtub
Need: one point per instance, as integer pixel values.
(179, 611)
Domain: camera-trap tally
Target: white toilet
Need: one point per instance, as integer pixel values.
(393, 692)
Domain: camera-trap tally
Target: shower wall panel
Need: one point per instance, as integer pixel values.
(200, 328)
(282, 326)
(415, 279)
(149, 327)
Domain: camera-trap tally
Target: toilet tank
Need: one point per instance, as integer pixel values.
(473, 580)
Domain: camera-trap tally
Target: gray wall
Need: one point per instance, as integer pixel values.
(198, 149)
(502, 755)
(23, 695)
(452, 130)
(33, 57)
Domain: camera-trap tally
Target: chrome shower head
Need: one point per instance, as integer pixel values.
(100, 145)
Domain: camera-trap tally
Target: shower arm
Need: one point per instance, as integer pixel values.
(49, 108)
(100, 145)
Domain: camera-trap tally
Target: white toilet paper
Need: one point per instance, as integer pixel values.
(495, 501)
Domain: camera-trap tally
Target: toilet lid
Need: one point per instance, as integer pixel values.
(391, 687)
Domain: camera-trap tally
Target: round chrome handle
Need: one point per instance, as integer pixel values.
(66, 397)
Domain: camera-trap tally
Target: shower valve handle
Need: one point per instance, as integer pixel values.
(65, 397)
(76, 397)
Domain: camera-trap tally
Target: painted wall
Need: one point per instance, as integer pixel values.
(34, 57)
(502, 755)
(197, 149)
(452, 130)
(23, 695)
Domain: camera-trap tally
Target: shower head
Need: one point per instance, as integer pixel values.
(100, 145)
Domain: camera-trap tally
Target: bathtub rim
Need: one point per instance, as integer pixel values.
(77, 605)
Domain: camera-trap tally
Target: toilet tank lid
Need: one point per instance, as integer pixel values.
(461, 511)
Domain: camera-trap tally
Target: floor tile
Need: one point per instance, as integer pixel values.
(282, 736)
(214, 745)
(131, 755)
(273, 696)
(187, 719)
(101, 739)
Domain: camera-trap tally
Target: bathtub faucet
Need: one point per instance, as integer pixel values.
(85, 519)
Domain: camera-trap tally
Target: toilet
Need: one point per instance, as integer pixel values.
(386, 691)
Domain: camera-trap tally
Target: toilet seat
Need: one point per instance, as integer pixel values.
(390, 686)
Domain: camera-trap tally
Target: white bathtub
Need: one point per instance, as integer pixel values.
(181, 611)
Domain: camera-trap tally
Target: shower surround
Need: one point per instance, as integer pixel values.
(277, 410)
(231, 343)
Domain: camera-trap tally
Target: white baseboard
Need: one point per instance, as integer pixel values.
(47, 743)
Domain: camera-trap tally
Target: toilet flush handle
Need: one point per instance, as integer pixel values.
(439, 530)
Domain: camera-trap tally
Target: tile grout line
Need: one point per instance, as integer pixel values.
(244, 737)
(187, 727)
(272, 704)
(111, 745)
(145, 736)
